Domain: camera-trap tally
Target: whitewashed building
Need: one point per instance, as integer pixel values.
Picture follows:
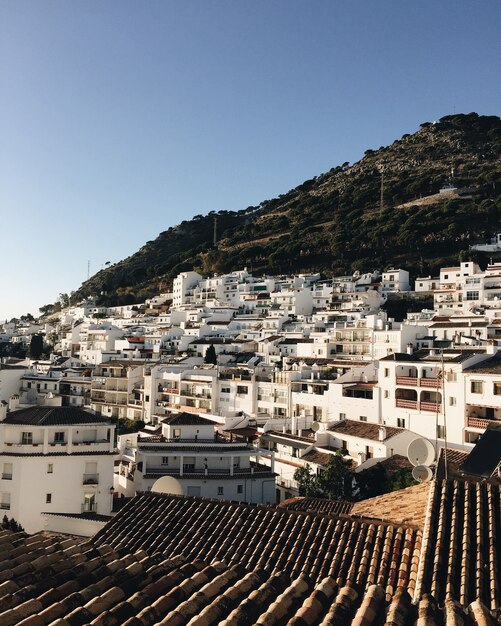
(56, 463)
(190, 449)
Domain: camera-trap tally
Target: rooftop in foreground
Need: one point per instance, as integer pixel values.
(175, 560)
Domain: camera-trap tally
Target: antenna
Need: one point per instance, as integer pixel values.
(442, 376)
(381, 195)
(421, 452)
(422, 473)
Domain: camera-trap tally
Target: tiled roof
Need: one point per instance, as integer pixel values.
(407, 506)
(364, 430)
(160, 562)
(485, 457)
(460, 559)
(53, 416)
(489, 366)
(281, 541)
(450, 356)
(187, 419)
(316, 456)
(320, 505)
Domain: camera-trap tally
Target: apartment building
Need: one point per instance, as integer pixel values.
(190, 449)
(55, 461)
(116, 389)
(430, 393)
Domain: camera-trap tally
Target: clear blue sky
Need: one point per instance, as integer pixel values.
(120, 118)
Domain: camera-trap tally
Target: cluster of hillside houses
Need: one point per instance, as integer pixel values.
(304, 367)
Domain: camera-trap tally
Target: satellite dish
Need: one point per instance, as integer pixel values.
(421, 452)
(315, 426)
(422, 473)
(168, 484)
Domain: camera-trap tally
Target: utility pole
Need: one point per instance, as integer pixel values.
(381, 193)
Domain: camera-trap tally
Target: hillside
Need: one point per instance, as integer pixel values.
(335, 223)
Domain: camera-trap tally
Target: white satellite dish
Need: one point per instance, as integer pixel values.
(315, 426)
(168, 484)
(421, 452)
(422, 473)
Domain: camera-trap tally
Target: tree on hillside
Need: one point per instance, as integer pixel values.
(210, 355)
(36, 346)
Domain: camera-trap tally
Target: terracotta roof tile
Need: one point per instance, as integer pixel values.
(160, 561)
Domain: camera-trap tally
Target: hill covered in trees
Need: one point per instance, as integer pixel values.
(339, 221)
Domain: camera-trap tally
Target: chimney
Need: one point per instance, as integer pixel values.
(14, 402)
(382, 433)
(410, 348)
(3, 410)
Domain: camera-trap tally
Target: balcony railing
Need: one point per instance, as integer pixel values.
(414, 381)
(430, 406)
(90, 479)
(5, 506)
(201, 471)
(406, 404)
(6, 476)
(410, 381)
(418, 406)
(479, 422)
(430, 382)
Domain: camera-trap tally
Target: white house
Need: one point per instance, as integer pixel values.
(190, 449)
(56, 461)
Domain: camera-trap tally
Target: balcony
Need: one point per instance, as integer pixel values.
(409, 381)
(168, 390)
(430, 382)
(433, 407)
(406, 404)
(191, 472)
(90, 479)
(479, 422)
(6, 476)
(5, 506)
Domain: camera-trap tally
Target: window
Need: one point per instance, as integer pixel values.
(7, 471)
(48, 498)
(165, 460)
(50, 468)
(242, 391)
(363, 418)
(26, 438)
(225, 390)
(176, 433)
(386, 393)
(386, 372)
(5, 501)
(400, 422)
(240, 488)
(59, 437)
(496, 389)
(342, 416)
(220, 491)
(477, 386)
(472, 295)
(440, 432)
(452, 401)
(452, 377)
